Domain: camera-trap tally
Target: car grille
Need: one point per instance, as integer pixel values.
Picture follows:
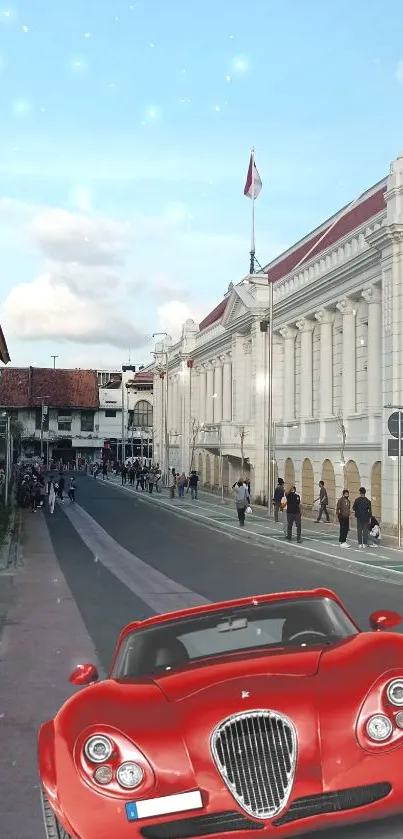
(256, 755)
(334, 802)
(228, 822)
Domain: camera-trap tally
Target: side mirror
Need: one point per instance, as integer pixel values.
(84, 674)
(384, 619)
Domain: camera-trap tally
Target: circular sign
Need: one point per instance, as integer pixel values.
(393, 424)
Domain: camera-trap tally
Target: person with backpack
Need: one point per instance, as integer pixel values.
(363, 512)
(323, 503)
(242, 499)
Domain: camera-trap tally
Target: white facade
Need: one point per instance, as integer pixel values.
(337, 362)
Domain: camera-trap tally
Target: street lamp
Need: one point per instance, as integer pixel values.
(272, 465)
(211, 427)
(399, 409)
(165, 353)
(6, 419)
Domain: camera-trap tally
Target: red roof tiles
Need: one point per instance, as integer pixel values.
(24, 387)
(144, 376)
(276, 270)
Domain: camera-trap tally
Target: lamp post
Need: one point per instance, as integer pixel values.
(166, 435)
(125, 369)
(211, 427)
(6, 419)
(42, 400)
(399, 409)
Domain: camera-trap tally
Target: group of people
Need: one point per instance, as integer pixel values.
(289, 504)
(183, 482)
(33, 489)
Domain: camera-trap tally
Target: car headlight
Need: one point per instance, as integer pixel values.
(395, 692)
(129, 775)
(379, 727)
(98, 749)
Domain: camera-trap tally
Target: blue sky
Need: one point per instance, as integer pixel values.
(126, 129)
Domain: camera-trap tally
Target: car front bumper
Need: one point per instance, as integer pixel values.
(100, 817)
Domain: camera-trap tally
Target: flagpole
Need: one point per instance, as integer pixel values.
(252, 245)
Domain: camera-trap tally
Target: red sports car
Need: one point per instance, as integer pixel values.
(274, 714)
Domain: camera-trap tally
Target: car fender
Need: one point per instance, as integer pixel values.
(46, 760)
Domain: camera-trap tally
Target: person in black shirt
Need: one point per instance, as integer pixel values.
(363, 512)
(293, 513)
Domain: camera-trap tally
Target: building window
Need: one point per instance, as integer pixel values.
(13, 414)
(142, 416)
(109, 414)
(38, 419)
(87, 421)
(64, 421)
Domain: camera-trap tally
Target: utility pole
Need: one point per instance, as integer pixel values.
(54, 360)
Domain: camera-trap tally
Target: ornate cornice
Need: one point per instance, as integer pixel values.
(372, 294)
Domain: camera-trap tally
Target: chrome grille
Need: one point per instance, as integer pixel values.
(256, 755)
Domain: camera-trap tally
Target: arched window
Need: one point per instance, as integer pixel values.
(143, 414)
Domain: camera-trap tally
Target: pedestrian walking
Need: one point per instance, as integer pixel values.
(323, 502)
(124, 475)
(193, 482)
(278, 496)
(293, 514)
(72, 490)
(60, 486)
(105, 476)
(283, 506)
(363, 512)
(343, 509)
(51, 496)
(181, 484)
(242, 499)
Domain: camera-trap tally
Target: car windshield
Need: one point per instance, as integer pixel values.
(288, 623)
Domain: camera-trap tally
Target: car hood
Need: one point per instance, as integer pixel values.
(213, 677)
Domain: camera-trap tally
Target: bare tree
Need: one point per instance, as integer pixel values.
(342, 429)
(194, 431)
(242, 434)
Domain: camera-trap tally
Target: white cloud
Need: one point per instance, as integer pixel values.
(167, 290)
(51, 308)
(399, 72)
(71, 237)
(173, 315)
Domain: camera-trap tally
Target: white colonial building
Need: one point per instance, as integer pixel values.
(337, 364)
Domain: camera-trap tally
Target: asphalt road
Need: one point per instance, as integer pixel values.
(89, 570)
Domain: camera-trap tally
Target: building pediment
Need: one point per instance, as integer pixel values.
(241, 302)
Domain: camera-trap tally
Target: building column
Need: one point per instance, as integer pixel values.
(306, 377)
(325, 319)
(288, 334)
(227, 389)
(218, 391)
(372, 296)
(349, 366)
(194, 393)
(209, 394)
(202, 394)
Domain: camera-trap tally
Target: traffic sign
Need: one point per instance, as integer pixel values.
(393, 447)
(393, 424)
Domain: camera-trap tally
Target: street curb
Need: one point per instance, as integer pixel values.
(351, 566)
(7, 546)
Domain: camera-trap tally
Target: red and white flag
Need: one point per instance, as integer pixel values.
(253, 184)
